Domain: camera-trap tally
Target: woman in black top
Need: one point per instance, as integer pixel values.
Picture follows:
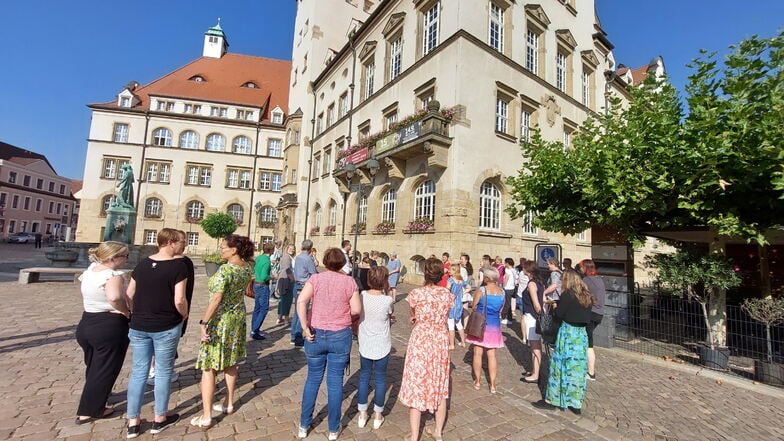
(532, 305)
(569, 364)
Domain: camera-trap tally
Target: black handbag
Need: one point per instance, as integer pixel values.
(547, 325)
(475, 327)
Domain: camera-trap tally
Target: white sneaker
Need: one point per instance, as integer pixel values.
(377, 423)
(332, 436)
(361, 422)
(302, 433)
(151, 379)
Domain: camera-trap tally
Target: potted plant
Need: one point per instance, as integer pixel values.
(329, 230)
(360, 227)
(420, 225)
(700, 276)
(217, 225)
(769, 312)
(385, 227)
(315, 231)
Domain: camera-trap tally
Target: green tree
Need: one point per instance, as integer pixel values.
(648, 166)
(218, 225)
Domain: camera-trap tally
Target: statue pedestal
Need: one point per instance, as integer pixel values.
(120, 224)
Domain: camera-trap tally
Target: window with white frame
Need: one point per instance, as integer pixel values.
(532, 51)
(120, 132)
(189, 140)
(388, 203)
(317, 217)
(496, 37)
(529, 217)
(125, 101)
(501, 114)
(390, 118)
(582, 236)
(238, 178)
(151, 237)
(162, 137)
(275, 148)
(38, 204)
(153, 207)
(425, 200)
(106, 202)
(158, 171)
(489, 206)
(216, 142)
(363, 207)
(343, 105)
(51, 187)
(277, 117)
(395, 57)
(236, 211)
(586, 86)
(194, 210)
(12, 177)
(15, 201)
(560, 71)
(430, 27)
(27, 200)
(316, 165)
(198, 175)
(276, 181)
(333, 213)
(369, 69)
(525, 125)
(219, 111)
(268, 214)
(327, 161)
(193, 238)
(567, 137)
(112, 166)
(320, 123)
(242, 144)
(330, 114)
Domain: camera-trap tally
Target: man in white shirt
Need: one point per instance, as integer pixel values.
(345, 246)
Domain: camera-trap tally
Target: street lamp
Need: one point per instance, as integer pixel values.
(351, 172)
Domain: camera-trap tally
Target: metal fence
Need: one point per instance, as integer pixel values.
(671, 327)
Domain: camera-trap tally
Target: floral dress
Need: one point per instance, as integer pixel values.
(227, 327)
(426, 370)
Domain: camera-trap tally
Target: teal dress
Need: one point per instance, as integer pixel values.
(227, 327)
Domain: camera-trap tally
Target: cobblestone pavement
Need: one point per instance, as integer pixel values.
(634, 397)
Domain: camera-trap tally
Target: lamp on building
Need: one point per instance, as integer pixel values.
(351, 171)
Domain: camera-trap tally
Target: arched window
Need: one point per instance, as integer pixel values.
(236, 211)
(363, 206)
(153, 207)
(242, 145)
(194, 210)
(489, 206)
(106, 202)
(162, 137)
(388, 206)
(189, 140)
(268, 214)
(333, 213)
(317, 218)
(425, 200)
(216, 142)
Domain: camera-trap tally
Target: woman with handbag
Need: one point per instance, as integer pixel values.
(532, 305)
(489, 303)
(223, 326)
(569, 364)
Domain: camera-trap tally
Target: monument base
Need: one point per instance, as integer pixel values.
(120, 224)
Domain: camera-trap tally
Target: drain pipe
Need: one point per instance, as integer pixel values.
(310, 160)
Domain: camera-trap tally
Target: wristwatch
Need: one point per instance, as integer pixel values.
(202, 322)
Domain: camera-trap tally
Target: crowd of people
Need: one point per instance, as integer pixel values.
(352, 298)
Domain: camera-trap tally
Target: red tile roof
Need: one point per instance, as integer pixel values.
(21, 156)
(223, 80)
(639, 74)
(76, 185)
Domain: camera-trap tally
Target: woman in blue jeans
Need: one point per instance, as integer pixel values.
(158, 306)
(375, 343)
(333, 298)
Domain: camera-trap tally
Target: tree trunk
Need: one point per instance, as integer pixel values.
(707, 325)
(764, 269)
(770, 346)
(717, 302)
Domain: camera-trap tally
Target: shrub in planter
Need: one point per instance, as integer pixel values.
(769, 312)
(217, 225)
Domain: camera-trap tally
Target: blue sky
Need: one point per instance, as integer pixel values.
(58, 56)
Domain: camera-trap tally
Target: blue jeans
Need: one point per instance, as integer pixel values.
(379, 370)
(262, 307)
(144, 345)
(329, 350)
(296, 327)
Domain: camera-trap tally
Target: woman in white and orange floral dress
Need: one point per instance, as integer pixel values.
(425, 384)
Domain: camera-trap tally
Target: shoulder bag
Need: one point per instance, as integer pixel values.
(249, 292)
(477, 321)
(547, 325)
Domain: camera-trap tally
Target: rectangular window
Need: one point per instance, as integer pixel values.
(3, 197)
(198, 175)
(26, 181)
(532, 51)
(15, 201)
(265, 181)
(274, 148)
(327, 161)
(276, 181)
(368, 75)
(395, 58)
(528, 223)
(51, 187)
(62, 189)
(582, 236)
(205, 178)
(120, 132)
(390, 119)
(39, 184)
(496, 37)
(125, 102)
(238, 178)
(501, 114)
(277, 117)
(320, 123)
(59, 208)
(151, 237)
(158, 171)
(560, 71)
(2, 225)
(27, 204)
(193, 239)
(586, 87)
(316, 165)
(342, 105)
(12, 177)
(51, 207)
(430, 26)
(330, 114)
(567, 138)
(111, 168)
(11, 226)
(525, 125)
(38, 204)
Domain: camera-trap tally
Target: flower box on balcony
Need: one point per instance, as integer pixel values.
(419, 231)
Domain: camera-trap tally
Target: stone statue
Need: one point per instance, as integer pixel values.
(124, 197)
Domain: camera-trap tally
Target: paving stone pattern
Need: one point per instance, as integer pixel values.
(633, 399)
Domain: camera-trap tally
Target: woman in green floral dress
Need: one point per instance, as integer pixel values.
(223, 326)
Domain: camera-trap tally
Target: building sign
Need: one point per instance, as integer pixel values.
(356, 157)
(401, 136)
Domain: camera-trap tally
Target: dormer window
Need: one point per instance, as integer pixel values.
(250, 85)
(277, 118)
(197, 78)
(125, 101)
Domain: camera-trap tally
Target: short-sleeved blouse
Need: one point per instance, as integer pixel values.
(330, 308)
(94, 289)
(374, 338)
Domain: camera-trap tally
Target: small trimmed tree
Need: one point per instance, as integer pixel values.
(769, 312)
(218, 225)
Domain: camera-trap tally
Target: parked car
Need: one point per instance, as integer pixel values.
(21, 238)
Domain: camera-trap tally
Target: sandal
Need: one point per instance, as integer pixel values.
(492, 389)
(432, 435)
(197, 422)
(477, 386)
(220, 408)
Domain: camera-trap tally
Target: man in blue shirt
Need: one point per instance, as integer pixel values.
(304, 267)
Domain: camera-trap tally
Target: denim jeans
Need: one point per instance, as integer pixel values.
(379, 370)
(296, 328)
(262, 307)
(144, 345)
(329, 350)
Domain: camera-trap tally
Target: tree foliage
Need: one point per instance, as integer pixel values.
(218, 225)
(649, 166)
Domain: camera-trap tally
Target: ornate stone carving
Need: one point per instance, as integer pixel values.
(552, 109)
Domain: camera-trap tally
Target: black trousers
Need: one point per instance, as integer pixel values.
(103, 337)
(506, 311)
